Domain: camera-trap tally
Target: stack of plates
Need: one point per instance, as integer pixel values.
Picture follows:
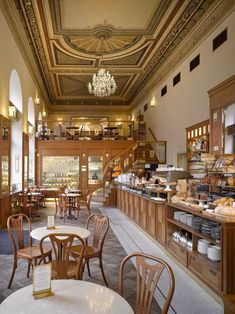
(177, 215)
(197, 223)
(215, 232)
(207, 225)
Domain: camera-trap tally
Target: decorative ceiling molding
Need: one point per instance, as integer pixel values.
(62, 61)
(220, 10)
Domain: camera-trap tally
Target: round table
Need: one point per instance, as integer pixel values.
(70, 296)
(39, 233)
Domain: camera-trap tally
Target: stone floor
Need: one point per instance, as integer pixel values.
(124, 237)
(113, 253)
(190, 296)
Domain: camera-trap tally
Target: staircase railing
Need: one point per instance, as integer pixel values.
(111, 161)
(159, 148)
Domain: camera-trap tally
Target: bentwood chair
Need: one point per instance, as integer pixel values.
(62, 206)
(62, 266)
(22, 243)
(85, 201)
(147, 278)
(98, 225)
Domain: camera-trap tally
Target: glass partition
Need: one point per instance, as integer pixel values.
(95, 169)
(59, 171)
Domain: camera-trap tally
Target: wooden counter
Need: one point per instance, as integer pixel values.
(157, 218)
(148, 214)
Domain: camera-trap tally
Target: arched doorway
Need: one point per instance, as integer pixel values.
(31, 131)
(15, 99)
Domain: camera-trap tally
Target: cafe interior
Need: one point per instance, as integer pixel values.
(117, 153)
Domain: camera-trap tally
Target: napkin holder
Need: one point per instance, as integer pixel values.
(42, 281)
(51, 223)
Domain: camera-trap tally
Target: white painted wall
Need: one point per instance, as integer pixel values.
(229, 119)
(188, 103)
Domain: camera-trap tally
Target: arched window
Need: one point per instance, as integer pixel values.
(31, 131)
(15, 98)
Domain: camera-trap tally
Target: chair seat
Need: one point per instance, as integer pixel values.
(64, 269)
(89, 251)
(31, 252)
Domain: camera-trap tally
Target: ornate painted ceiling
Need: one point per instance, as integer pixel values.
(66, 41)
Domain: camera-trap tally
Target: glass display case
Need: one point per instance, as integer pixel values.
(59, 171)
(95, 169)
(5, 174)
(4, 155)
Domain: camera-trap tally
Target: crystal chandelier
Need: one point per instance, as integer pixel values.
(103, 84)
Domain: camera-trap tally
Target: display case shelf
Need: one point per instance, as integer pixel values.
(193, 231)
(197, 143)
(52, 176)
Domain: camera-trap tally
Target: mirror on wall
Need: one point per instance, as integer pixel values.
(229, 129)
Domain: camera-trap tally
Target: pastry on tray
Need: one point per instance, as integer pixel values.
(227, 201)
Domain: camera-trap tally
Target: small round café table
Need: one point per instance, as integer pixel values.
(69, 296)
(39, 233)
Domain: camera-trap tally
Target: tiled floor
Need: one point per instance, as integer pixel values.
(124, 237)
(113, 254)
(189, 296)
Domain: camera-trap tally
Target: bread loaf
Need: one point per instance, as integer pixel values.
(225, 210)
(227, 201)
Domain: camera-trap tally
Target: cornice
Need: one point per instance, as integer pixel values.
(219, 11)
(10, 11)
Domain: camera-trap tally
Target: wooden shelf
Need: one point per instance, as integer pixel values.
(205, 259)
(193, 231)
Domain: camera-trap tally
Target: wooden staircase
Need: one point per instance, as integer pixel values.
(132, 159)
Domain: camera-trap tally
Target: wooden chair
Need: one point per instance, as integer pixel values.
(22, 247)
(41, 197)
(25, 204)
(33, 199)
(62, 266)
(147, 278)
(62, 206)
(85, 201)
(100, 228)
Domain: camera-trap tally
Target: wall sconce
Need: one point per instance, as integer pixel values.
(83, 155)
(37, 100)
(107, 155)
(12, 111)
(44, 113)
(153, 102)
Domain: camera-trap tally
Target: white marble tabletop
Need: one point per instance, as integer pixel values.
(39, 233)
(70, 296)
(70, 194)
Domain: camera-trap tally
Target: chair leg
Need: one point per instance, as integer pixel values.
(102, 271)
(88, 268)
(88, 209)
(29, 264)
(13, 273)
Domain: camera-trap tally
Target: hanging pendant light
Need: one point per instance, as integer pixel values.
(103, 83)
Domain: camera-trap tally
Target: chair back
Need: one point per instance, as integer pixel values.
(147, 278)
(63, 200)
(61, 248)
(15, 227)
(100, 225)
